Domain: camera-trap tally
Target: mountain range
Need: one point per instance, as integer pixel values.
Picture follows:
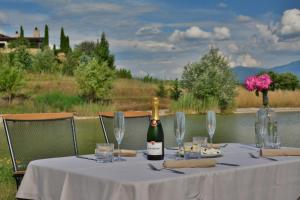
(243, 72)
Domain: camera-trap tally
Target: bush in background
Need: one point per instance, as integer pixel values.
(124, 73)
(70, 64)
(11, 80)
(175, 90)
(161, 92)
(22, 58)
(211, 78)
(95, 80)
(45, 61)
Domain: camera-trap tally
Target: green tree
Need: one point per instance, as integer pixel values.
(11, 80)
(46, 37)
(54, 49)
(86, 47)
(124, 73)
(95, 80)
(211, 78)
(288, 81)
(22, 58)
(161, 92)
(175, 91)
(69, 64)
(102, 52)
(21, 32)
(45, 61)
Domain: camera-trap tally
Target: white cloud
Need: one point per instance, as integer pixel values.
(196, 33)
(221, 33)
(222, 5)
(245, 60)
(267, 34)
(93, 7)
(243, 18)
(3, 17)
(193, 32)
(148, 30)
(147, 45)
(233, 48)
(290, 22)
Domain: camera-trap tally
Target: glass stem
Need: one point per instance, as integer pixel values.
(119, 152)
(210, 139)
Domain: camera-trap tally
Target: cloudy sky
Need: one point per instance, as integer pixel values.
(159, 37)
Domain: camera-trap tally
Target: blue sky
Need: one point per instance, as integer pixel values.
(159, 37)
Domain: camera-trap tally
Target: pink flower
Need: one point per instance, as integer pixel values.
(263, 82)
(250, 83)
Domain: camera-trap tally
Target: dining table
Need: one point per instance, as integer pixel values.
(82, 178)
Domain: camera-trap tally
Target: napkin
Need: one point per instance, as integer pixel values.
(203, 163)
(280, 152)
(125, 153)
(215, 146)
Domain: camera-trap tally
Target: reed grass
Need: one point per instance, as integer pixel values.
(278, 98)
(189, 104)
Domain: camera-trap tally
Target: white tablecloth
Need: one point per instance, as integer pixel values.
(72, 178)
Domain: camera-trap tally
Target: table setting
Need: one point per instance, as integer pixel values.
(195, 169)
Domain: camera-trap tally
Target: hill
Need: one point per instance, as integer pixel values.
(243, 72)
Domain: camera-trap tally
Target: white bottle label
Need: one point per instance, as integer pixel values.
(154, 148)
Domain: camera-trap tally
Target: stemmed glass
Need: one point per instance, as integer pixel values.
(179, 128)
(119, 129)
(211, 124)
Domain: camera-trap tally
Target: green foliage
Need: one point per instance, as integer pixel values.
(190, 104)
(211, 78)
(22, 58)
(102, 53)
(56, 101)
(95, 80)
(161, 92)
(64, 42)
(46, 37)
(86, 47)
(19, 42)
(149, 79)
(175, 90)
(124, 73)
(45, 61)
(69, 64)
(21, 32)
(283, 81)
(11, 80)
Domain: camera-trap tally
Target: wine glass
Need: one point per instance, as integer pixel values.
(119, 129)
(211, 124)
(179, 128)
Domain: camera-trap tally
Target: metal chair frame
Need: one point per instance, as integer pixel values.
(29, 118)
(128, 114)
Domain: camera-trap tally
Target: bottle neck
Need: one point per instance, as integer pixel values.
(155, 111)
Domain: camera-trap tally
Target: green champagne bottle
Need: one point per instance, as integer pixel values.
(155, 134)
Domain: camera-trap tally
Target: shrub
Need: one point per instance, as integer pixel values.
(22, 58)
(175, 91)
(69, 64)
(211, 78)
(124, 73)
(161, 92)
(56, 101)
(45, 61)
(11, 80)
(95, 80)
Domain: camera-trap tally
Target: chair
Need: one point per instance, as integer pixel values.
(38, 136)
(135, 122)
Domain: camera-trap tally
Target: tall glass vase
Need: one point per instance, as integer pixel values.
(266, 126)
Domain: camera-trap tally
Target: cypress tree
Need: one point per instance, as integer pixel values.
(54, 49)
(21, 32)
(102, 52)
(62, 39)
(67, 44)
(46, 37)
